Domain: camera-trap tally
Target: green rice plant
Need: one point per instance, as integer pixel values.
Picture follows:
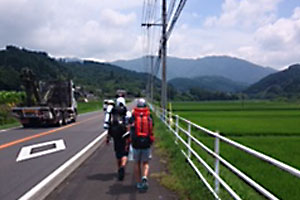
(255, 118)
(280, 183)
(272, 128)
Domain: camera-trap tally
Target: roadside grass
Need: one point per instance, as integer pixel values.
(89, 106)
(10, 125)
(179, 176)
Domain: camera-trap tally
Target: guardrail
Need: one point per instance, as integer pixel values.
(168, 119)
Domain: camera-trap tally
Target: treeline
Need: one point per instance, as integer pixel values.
(101, 78)
(198, 94)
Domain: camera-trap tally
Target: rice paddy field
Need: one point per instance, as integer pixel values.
(272, 128)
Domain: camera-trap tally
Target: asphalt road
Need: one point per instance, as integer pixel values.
(16, 178)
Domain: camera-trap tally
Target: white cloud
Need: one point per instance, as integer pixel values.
(110, 30)
(279, 42)
(78, 28)
(244, 13)
(249, 30)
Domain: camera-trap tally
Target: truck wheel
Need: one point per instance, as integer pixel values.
(74, 117)
(64, 122)
(60, 122)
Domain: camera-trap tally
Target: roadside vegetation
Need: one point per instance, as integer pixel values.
(90, 106)
(179, 176)
(270, 127)
(7, 101)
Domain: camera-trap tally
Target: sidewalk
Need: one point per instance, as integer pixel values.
(97, 179)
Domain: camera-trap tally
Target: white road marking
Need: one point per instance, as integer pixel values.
(26, 153)
(63, 170)
(9, 129)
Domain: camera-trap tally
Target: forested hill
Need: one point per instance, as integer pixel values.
(210, 83)
(281, 84)
(235, 69)
(92, 75)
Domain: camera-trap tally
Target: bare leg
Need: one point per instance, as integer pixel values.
(123, 161)
(145, 169)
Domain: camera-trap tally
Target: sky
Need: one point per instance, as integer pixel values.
(265, 32)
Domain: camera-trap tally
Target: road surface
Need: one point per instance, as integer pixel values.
(16, 178)
(94, 179)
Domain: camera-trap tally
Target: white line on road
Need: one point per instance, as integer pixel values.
(46, 186)
(26, 152)
(9, 129)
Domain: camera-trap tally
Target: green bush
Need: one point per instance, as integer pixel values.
(8, 100)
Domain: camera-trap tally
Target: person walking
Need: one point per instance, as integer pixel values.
(115, 121)
(141, 138)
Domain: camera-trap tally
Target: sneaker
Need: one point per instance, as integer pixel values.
(121, 173)
(139, 186)
(145, 184)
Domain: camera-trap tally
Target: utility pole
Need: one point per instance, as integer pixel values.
(152, 80)
(164, 56)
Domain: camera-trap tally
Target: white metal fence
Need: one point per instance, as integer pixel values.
(175, 122)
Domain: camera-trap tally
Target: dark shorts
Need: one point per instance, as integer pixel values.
(121, 147)
(120, 154)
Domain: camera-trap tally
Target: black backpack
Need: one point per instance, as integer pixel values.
(118, 121)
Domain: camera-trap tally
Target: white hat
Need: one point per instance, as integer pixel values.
(141, 103)
(110, 102)
(120, 101)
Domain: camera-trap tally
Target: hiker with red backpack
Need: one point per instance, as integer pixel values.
(116, 121)
(141, 140)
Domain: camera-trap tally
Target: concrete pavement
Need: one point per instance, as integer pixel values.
(97, 179)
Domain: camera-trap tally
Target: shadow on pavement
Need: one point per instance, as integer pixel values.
(119, 189)
(102, 177)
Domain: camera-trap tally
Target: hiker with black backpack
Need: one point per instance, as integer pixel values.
(141, 140)
(116, 121)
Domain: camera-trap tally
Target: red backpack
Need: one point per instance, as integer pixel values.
(143, 136)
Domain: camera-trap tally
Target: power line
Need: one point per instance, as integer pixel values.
(167, 28)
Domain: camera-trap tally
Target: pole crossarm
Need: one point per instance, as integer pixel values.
(150, 24)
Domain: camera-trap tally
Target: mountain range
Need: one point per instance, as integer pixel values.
(93, 76)
(210, 83)
(106, 78)
(285, 83)
(235, 69)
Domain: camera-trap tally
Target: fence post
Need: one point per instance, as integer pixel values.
(189, 139)
(217, 151)
(177, 129)
(170, 120)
